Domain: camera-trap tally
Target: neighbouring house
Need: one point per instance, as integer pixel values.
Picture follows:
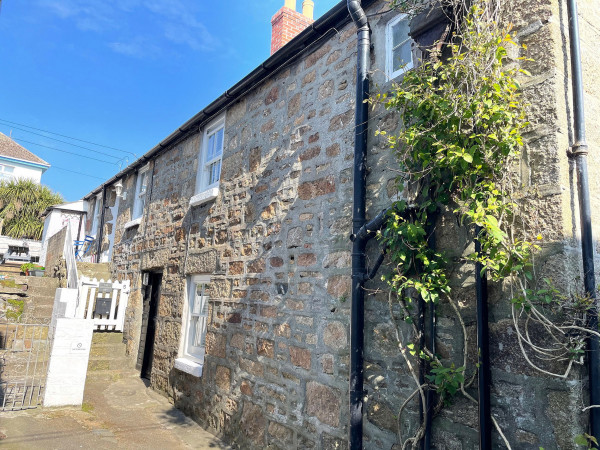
(234, 232)
(16, 162)
(57, 217)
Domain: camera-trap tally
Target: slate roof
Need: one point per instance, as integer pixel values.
(11, 149)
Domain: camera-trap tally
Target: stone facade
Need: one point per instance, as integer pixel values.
(275, 243)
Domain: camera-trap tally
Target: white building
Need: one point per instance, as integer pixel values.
(16, 162)
(57, 217)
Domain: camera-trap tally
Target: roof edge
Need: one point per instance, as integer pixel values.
(27, 162)
(335, 17)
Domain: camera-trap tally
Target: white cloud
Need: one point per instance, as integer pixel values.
(175, 22)
(136, 49)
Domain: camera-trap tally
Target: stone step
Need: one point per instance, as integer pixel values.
(9, 269)
(107, 364)
(37, 281)
(107, 351)
(42, 301)
(100, 337)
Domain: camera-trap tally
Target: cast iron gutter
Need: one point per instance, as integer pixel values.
(579, 151)
(335, 18)
(359, 269)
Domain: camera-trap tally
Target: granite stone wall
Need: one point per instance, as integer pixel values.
(275, 242)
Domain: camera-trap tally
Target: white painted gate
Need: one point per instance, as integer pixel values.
(104, 302)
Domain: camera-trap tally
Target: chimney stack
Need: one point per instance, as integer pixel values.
(308, 8)
(287, 23)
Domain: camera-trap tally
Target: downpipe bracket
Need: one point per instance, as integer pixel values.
(577, 150)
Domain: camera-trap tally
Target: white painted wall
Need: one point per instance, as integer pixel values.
(23, 171)
(69, 356)
(34, 246)
(58, 218)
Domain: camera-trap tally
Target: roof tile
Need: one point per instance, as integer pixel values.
(11, 149)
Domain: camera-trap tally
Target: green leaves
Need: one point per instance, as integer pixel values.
(447, 380)
(586, 440)
(22, 203)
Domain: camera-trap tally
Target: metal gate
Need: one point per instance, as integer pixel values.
(24, 352)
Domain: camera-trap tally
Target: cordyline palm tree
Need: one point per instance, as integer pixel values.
(22, 203)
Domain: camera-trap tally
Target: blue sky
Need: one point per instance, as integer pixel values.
(124, 74)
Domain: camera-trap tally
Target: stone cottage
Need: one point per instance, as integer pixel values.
(234, 232)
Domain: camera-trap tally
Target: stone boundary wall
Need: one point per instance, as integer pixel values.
(55, 262)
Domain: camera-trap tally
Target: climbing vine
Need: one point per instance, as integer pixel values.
(458, 151)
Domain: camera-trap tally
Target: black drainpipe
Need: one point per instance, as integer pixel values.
(579, 151)
(483, 352)
(101, 229)
(358, 221)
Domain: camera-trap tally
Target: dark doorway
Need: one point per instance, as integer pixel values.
(151, 292)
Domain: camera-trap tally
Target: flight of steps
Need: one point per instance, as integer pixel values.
(38, 295)
(107, 357)
(107, 354)
(10, 269)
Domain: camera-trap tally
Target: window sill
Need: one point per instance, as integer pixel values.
(204, 196)
(189, 366)
(133, 223)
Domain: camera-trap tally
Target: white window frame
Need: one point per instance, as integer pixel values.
(96, 215)
(389, 49)
(191, 357)
(140, 193)
(205, 190)
(7, 172)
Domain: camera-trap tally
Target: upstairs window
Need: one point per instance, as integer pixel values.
(209, 163)
(139, 201)
(398, 47)
(6, 172)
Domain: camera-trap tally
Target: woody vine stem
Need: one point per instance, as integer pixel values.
(463, 117)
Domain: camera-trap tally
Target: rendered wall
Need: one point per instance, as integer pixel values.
(24, 171)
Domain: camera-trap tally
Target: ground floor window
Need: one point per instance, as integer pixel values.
(194, 322)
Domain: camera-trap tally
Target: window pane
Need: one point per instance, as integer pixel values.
(402, 56)
(200, 336)
(200, 301)
(198, 317)
(214, 172)
(143, 182)
(193, 331)
(400, 32)
(9, 169)
(210, 152)
(219, 143)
